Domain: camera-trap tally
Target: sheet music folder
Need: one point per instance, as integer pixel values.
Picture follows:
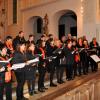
(22, 65)
(51, 57)
(33, 61)
(95, 58)
(17, 66)
(5, 61)
(57, 51)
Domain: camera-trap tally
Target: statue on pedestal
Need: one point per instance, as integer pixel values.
(45, 25)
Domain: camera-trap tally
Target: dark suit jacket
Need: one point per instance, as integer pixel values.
(69, 56)
(17, 40)
(19, 58)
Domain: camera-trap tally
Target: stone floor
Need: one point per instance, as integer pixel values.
(54, 92)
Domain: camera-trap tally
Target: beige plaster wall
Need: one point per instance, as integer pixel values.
(89, 18)
(86, 20)
(54, 11)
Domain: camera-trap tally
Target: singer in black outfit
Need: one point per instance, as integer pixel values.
(59, 62)
(20, 57)
(80, 64)
(4, 84)
(94, 45)
(41, 66)
(51, 66)
(76, 57)
(86, 57)
(69, 54)
(30, 70)
(18, 39)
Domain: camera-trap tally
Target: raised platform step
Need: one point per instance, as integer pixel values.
(53, 93)
(69, 86)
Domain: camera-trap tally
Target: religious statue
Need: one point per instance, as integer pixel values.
(45, 25)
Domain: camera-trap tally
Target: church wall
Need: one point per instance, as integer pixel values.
(3, 18)
(98, 20)
(51, 9)
(87, 23)
(13, 29)
(33, 3)
(89, 18)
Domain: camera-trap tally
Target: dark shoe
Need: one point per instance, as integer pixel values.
(24, 98)
(31, 93)
(84, 73)
(75, 74)
(80, 75)
(69, 79)
(95, 70)
(45, 88)
(35, 92)
(59, 82)
(41, 90)
(53, 85)
(72, 78)
(62, 81)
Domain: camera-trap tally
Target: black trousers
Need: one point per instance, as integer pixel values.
(20, 76)
(94, 66)
(8, 91)
(85, 67)
(69, 71)
(31, 85)
(79, 67)
(42, 71)
(60, 72)
(75, 68)
(51, 67)
(31, 79)
(52, 71)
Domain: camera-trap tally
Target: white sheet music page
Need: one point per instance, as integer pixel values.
(5, 61)
(19, 65)
(33, 61)
(95, 58)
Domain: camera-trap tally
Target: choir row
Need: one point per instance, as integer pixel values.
(55, 56)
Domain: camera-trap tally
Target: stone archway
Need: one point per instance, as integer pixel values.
(65, 22)
(35, 26)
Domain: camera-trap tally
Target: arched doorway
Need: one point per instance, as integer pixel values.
(67, 23)
(35, 26)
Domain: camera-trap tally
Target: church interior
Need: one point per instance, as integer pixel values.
(71, 20)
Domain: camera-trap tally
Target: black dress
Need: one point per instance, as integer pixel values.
(19, 73)
(17, 41)
(60, 65)
(41, 69)
(51, 67)
(30, 70)
(30, 73)
(95, 51)
(69, 62)
(80, 64)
